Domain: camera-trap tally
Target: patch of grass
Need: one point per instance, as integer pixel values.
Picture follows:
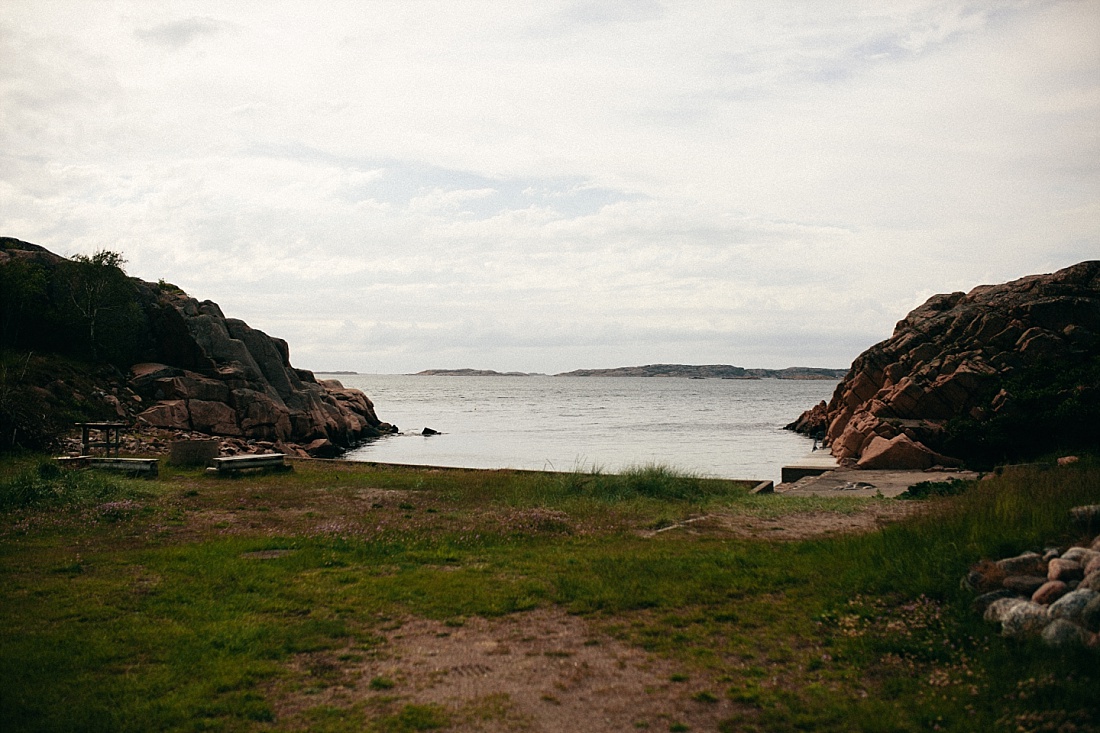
(766, 507)
(49, 486)
(138, 623)
(414, 718)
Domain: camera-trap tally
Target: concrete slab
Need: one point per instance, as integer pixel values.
(857, 482)
(811, 464)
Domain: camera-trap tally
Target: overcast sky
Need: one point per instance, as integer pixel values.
(544, 186)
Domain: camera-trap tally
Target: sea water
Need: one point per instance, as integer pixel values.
(726, 428)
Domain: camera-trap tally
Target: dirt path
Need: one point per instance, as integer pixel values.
(540, 671)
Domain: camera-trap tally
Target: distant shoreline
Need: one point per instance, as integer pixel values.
(683, 371)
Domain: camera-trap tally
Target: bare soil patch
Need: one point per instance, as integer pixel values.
(538, 671)
(796, 525)
(249, 510)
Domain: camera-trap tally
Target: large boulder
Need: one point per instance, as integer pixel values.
(191, 386)
(1004, 371)
(262, 415)
(171, 414)
(900, 452)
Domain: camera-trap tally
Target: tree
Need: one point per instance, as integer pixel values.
(103, 301)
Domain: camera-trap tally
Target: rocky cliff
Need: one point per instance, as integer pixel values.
(185, 365)
(1003, 372)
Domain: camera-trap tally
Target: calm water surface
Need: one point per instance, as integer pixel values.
(715, 427)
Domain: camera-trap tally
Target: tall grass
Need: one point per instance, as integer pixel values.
(998, 517)
(651, 481)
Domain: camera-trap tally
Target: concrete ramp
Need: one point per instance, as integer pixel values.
(864, 483)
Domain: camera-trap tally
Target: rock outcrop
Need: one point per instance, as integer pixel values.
(234, 380)
(990, 360)
(192, 369)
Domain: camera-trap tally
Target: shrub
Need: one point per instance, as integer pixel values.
(927, 489)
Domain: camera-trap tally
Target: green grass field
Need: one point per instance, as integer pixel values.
(195, 603)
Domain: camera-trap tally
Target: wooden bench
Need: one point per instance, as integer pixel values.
(262, 462)
(144, 467)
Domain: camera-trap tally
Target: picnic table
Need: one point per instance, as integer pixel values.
(111, 438)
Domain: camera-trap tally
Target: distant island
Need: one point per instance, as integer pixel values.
(684, 371)
(709, 371)
(473, 373)
(333, 371)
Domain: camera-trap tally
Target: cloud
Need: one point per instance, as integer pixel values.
(395, 186)
(179, 33)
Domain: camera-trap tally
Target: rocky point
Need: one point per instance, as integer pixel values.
(233, 380)
(151, 355)
(968, 357)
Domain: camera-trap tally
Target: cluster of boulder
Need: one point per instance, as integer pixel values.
(949, 358)
(1054, 595)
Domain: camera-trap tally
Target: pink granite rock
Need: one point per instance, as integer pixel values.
(213, 418)
(1025, 585)
(898, 453)
(170, 414)
(1093, 567)
(1061, 569)
(1028, 563)
(1049, 592)
(949, 358)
